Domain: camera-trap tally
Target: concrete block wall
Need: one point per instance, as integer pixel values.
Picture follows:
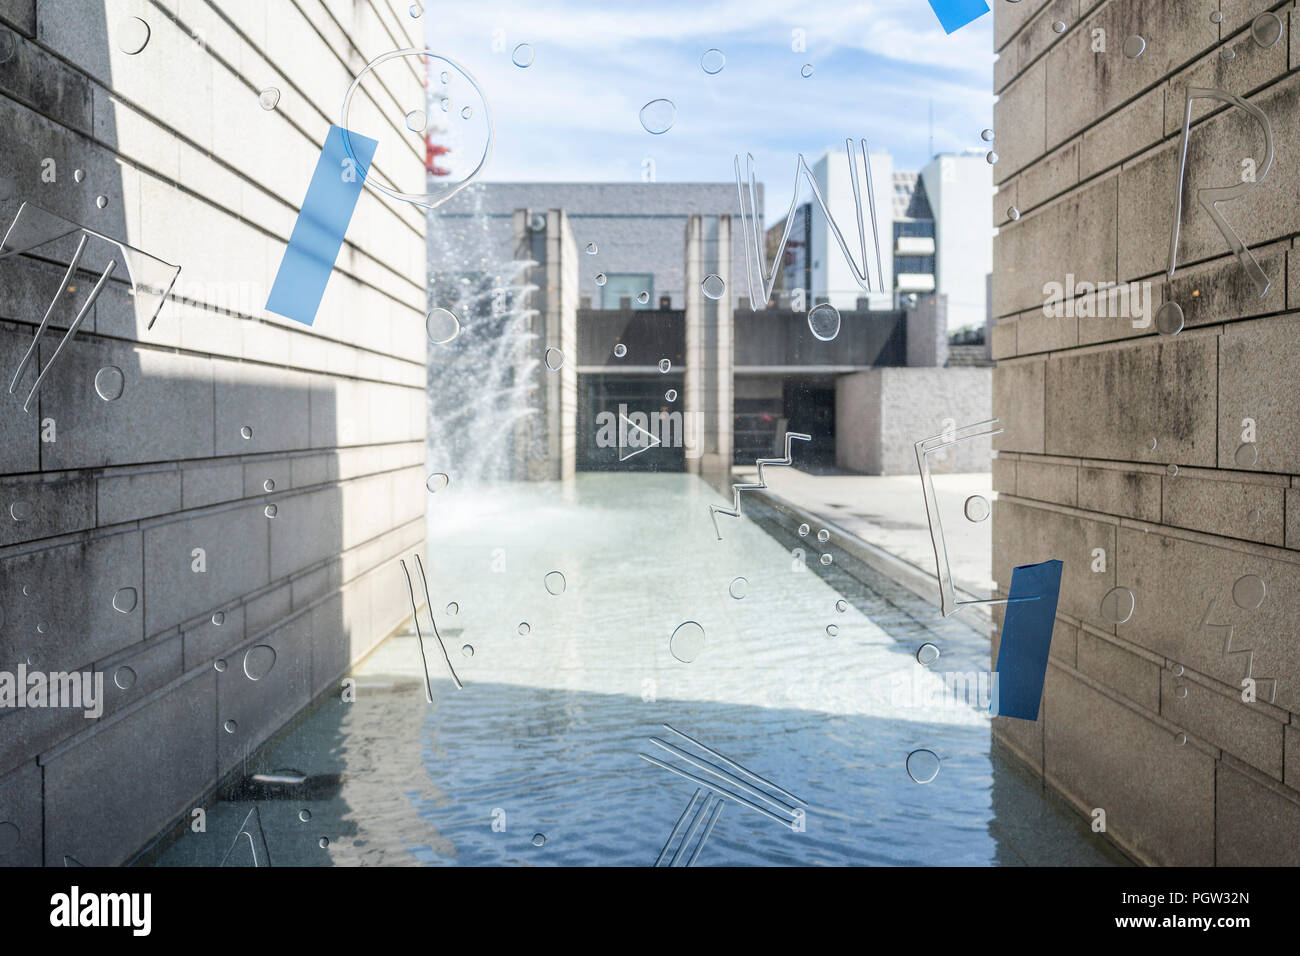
(118, 495)
(881, 413)
(1173, 458)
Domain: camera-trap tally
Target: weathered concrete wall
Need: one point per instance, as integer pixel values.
(194, 171)
(1134, 446)
(881, 413)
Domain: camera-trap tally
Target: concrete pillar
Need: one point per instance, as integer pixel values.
(927, 332)
(546, 442)
(710, 348)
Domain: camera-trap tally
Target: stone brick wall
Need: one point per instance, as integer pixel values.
(193, 171)
(1127, 445)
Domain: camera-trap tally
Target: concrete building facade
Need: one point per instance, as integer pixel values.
(216, 542)
(1163, 465)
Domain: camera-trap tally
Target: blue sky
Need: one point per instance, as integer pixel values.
(573, 115)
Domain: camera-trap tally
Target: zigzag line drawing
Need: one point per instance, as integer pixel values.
(1228, 651)
(734, 511)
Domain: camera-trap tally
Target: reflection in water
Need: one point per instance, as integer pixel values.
(544, 737)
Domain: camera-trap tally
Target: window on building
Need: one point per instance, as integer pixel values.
(621, 290)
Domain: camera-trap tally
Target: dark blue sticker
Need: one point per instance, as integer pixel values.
(1026, 639)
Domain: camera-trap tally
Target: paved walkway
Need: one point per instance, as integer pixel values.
(888, 511)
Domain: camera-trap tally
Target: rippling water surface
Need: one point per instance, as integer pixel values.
(543, 739)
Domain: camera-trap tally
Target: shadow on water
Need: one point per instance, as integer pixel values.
(475, 777)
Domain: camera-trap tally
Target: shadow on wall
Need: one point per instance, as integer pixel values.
(188, 541)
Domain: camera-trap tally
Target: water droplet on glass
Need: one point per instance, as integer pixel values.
(415, 11)
(1246, 455)
(823, 535)
(258, 661)
(1152, 444)
(523, 56)
(1266, 30)
(230, 726)
(1058, 26)
(444, 76)
(436, 482)
(539, 839)
(1216, 16)
(738, 588)
(591, 248)
(927, 654)
(132, 35)
(1180, 691)
(1169, 318)
(124, 678)
(40, 627)
(841, 605)
(9, 836)
(467, 650)
(665, 366)
(466, 113)
(268, 485)
(643, 297)
(826, 559)
(687, 642)
(1178, 670)
(1117, 605)
(1252, 516)
(1228, 53)
(1013, 213)
(304, 815)
(29, 590)
(219, 665)
(246, 433)
(523, 628)
(991, 157)
(620, 350)
(109, 383)
(806, 70)
(78, 175)
(600, 278)
(453, 609)
(270, 511)
(824, 321)
(21, 510)
(124, 600)
(1248, 592)
(803, 530)
(101, 201)
(1171, 471)
(1180, 739)
(670, 395)
(416, 121)
(986, 135)
(832, 630)
(922, 765)
(713, 287)
(555, 582)
(323, 843)
(444, 104)
(658, 116)
(269, 98)
(1134, 47)
(976, 508)
(219, 618)
(554, 359)
(442, 326)
(713, 61)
